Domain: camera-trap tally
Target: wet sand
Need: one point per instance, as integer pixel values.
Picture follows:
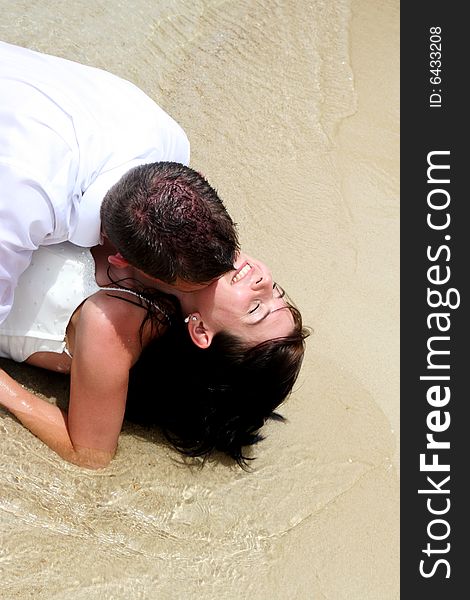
(292, 112)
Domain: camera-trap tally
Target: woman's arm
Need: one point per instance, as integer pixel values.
(106, 345)
(47, 422)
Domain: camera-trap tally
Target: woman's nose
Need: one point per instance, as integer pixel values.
(262, 279)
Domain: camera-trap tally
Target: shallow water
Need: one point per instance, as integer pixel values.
(292, 111)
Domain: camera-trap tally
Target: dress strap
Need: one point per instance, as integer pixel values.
(134, 293)
(117, 289)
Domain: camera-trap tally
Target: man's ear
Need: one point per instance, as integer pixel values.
(118, 261)
(200, 334)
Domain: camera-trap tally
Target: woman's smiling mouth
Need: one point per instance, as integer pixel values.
(242, 271)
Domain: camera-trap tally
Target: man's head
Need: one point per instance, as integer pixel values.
(166, 220)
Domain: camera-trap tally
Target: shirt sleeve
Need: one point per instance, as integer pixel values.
(26, 221)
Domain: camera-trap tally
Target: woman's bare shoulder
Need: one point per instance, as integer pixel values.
(109, 318)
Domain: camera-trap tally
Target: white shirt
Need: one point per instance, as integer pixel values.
(68, 132)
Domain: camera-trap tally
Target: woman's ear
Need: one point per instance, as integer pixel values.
(199, 333)
(118, 261)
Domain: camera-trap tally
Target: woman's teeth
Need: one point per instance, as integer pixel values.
(241, 274)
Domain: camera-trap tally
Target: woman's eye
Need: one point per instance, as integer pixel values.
(254, 309)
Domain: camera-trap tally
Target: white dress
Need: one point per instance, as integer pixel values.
(59, 278)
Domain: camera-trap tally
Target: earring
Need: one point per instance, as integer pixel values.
(193, 318)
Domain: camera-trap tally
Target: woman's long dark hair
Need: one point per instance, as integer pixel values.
(214, 399)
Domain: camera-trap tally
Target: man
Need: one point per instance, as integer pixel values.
(68, 134)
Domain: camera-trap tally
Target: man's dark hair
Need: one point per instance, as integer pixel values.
(166, 220)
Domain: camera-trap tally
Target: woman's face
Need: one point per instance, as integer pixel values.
(244, 302)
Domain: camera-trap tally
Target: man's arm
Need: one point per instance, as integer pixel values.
(13, 262)
(26, 220)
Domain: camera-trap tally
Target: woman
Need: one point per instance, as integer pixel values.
(93, 315)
